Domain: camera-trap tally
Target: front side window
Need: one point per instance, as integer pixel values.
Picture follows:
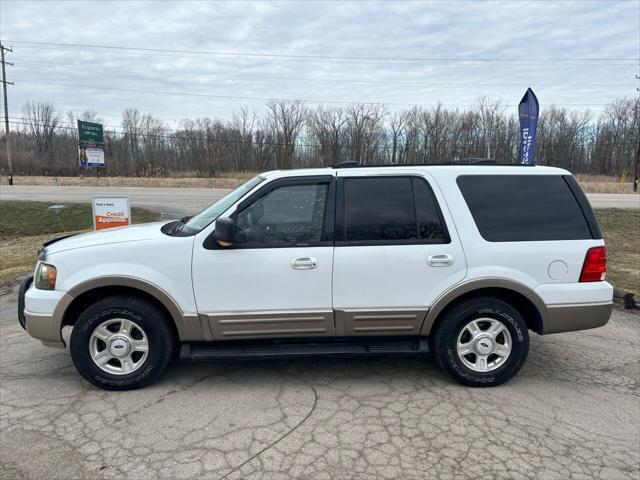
(391, 209)
(288, 215)
(198, 222)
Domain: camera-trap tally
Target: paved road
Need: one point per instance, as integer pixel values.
(171, 202)
(614, 200)
(176, 202)
(572, 412)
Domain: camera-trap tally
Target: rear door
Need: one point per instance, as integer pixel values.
(396, 251)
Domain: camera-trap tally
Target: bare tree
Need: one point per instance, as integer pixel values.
(327, 129)
(364, 127)
(397, 124)
(41, 121)
(491, 113)
(287, 119)
(243, 122)
(291, 135)
(131, 126)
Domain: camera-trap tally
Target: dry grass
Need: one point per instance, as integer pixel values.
(605, 183)
(24, 226)
(621, 229)
(590, 183)
(18, 256)
(222, 181)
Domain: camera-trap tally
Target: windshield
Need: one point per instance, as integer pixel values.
(209, 214)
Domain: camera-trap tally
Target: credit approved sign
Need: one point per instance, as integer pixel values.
(109, 212)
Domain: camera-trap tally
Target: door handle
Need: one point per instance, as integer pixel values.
(440, 260)
(304, 263)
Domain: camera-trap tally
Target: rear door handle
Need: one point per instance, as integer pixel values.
(440, 260)
(304, 263)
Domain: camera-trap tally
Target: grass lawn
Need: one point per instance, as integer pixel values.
(621, 229)
(24, 226)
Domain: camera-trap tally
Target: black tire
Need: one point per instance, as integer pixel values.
(455, 319)
(147, 316)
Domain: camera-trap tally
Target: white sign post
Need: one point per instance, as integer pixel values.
(109, 212)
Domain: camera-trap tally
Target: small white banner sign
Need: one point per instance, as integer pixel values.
(109, 212)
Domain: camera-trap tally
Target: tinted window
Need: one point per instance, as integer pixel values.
(384, 209)
(430, 225)
(512, 208)
(292, 214)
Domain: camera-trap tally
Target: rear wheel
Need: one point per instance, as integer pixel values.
(121, 343)
(481, 342)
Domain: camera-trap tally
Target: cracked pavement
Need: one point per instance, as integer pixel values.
(573, 412)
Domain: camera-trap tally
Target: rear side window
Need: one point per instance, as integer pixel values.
(517, 208)
(391, 210)
(430, 222)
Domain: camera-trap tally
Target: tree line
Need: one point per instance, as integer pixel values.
(44, 140)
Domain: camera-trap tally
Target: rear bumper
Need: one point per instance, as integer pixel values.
(569, 318)
(575, 306)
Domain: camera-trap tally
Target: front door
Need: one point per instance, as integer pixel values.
(394, 254)
(275, 280)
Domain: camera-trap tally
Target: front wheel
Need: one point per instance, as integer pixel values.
(121, 343)
(482, 342)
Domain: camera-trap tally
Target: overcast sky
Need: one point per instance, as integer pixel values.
(571, 52)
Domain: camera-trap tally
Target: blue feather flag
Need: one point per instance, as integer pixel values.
(528, 113)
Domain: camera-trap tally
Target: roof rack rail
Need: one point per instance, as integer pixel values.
(346, 164)
(459, 162)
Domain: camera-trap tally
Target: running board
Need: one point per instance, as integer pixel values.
(195, 352)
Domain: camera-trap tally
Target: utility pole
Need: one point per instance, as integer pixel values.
(6, 110)
(637, 172)
(635, 179)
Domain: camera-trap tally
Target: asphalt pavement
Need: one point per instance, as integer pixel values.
(573, 412)
(177, 202)
(170, 202)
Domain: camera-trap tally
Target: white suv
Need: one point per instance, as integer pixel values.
(459, 260)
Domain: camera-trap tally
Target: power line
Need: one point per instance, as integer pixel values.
(219, 60)
(519, 60)
(293, 100)
(312, 80)
(333, 1)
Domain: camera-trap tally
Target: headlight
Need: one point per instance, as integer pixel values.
(45, 277)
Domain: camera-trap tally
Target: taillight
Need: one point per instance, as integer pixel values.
(594, 268)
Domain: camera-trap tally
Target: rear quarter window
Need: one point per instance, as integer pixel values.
(520, 208)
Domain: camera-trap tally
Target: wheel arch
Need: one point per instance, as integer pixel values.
(86, 293)
(521, 297)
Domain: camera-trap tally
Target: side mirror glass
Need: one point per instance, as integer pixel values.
(225, 230)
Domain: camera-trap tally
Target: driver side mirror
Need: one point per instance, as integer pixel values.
(225, 230)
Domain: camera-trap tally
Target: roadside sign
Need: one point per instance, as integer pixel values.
(90, 144)
(91, 156)
(109, 212)
(90, 132)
